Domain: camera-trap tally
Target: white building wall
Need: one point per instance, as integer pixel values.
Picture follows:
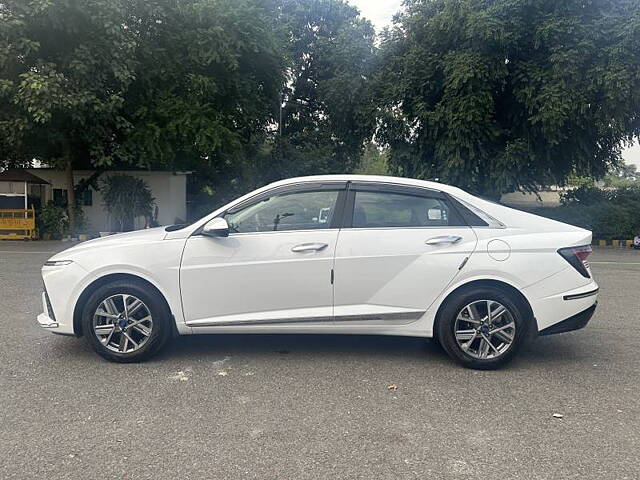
(545, 199)
(168, 189)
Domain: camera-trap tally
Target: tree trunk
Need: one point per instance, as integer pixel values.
(71, 198)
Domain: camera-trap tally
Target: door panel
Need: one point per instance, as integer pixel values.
(275, 265)
(390, 271)
(402, 250)
(257, 277)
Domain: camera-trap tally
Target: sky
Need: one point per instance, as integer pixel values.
(380, 13)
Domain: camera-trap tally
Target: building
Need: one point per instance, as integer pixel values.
(16, 186)
(42, 185)
(545, 199)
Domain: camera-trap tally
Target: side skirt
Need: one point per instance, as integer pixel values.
(383, 318)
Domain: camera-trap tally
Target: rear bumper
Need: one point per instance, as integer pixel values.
(575, 322)
(560, 297)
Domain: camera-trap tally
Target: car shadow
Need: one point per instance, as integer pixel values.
(562, 350)
(277, 344)
(565, 350)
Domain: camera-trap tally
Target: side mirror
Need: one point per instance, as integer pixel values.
(218, 227)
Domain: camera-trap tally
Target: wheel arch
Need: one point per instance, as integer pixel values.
(97, 283)
(509, 289)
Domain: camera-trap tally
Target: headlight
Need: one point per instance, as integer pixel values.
(57, 263)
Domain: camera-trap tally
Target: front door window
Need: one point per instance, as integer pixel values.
(293, 211)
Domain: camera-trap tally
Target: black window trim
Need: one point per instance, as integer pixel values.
(467, 216)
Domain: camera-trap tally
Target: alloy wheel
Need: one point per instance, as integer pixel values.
(122, 323)
(485, 329)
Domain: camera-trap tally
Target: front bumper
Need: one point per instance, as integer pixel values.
(61, 290)
(48, 321)
(575, 322)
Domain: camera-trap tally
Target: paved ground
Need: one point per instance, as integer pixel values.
(292, 407)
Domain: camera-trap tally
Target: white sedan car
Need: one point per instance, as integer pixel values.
(333, 254)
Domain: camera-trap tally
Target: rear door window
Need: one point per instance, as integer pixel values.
(386, 209)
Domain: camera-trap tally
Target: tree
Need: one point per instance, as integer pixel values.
(131, 83)
(510, 94)
(64, 68)
(625, 176)
(326, 104)
(207, 85)
(374, 161)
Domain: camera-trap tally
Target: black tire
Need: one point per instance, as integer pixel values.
(445, 327)
(154, 302)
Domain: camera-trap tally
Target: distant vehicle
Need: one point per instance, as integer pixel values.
(334, 254)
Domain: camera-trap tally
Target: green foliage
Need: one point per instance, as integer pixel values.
(374, 161)
(53, 220)
(81, 224)
(64, 68)
(491, 96)
(327, 112)
(125, 198)
(193, 85)
(625, 176)
(496, 96)
(609, 213)
(207, 81)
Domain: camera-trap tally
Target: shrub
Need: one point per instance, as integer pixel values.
(125, 198)
(608, 213)
(53, 220)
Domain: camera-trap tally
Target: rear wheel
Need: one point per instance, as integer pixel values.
(125, 321)
(482, 327)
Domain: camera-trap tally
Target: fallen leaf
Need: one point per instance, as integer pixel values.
(181, 376)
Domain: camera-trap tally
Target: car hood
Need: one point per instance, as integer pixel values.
(138, 236)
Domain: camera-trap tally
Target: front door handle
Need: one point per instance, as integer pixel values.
(309, 247)
(443, 240)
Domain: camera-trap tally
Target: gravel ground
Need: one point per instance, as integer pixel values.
(296, 407)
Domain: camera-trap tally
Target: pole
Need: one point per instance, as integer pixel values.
(71, 200)
(280, 122)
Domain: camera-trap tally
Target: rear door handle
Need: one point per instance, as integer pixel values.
(309, 247)
(443, 240)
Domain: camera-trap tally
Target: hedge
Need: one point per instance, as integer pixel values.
(608, 213)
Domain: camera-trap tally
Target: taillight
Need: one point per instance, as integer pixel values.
(577, 257)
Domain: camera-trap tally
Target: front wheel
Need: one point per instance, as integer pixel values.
(482, 328)
(125, 321)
